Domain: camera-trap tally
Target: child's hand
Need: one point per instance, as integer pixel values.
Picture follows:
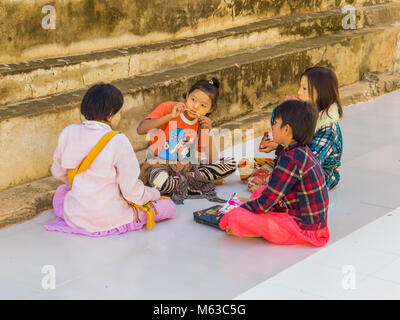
(177, 110)
(268, 146)
(205, 122)
(244, 200)
(264, 140)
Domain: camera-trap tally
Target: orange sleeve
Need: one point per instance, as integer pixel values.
(162, 110)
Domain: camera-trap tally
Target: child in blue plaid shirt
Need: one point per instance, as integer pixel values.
(319, 86)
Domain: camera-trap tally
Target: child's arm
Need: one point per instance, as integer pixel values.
(322, 143)
(57, 170)
(148, 124)
(283, 178)
(128, 170)
(271, 145)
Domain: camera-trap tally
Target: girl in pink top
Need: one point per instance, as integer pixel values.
(96, 206)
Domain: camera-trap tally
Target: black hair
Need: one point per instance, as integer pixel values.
(301, 117)
(101, 101)
(325, 82)
(209, 87)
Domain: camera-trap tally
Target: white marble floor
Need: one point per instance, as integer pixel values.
(180, 259)
(362, 265)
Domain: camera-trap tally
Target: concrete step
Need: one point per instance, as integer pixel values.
(33, 79)
(83, 26)
(250, 81)
(26, 201)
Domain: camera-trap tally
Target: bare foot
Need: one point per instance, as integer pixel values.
(218, 181)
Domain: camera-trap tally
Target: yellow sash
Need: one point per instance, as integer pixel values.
(149, 208)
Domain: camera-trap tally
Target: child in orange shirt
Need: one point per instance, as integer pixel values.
(177, 129)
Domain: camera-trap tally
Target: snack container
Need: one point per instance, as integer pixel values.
(232, 203)
(266, 137)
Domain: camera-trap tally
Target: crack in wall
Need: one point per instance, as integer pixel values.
(30, 85)
(323, 55)
(129, 66)
(56, 82)
(82, 77)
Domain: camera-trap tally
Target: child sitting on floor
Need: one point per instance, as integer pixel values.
(319, 86)
(292, 207)
(176, 130)
(102, 194)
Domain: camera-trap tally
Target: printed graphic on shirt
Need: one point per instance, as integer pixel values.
(174, 140)
(178, 145)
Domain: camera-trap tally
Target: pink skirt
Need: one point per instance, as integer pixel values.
(166, 209)
(276, 227)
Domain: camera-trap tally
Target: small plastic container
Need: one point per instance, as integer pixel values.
(265, 138)
(232, 203)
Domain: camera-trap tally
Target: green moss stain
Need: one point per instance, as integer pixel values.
(157, 16)
(243, 7)
(317, 27)
(90, 19)
(96, 18)
(264, 81)
(23, 26)
(78, 21)
(296, 6)
(74, 22)
(261, 7)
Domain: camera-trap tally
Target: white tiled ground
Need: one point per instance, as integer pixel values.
(180, 259)
(363, 265)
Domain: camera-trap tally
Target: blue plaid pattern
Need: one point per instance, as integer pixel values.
(327, 146)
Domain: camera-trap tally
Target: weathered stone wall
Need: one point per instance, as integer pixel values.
(34, 79)
(161, 47)
(86, 25)
(258, 64)
(250, 82)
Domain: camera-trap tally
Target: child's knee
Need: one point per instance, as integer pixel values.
(238, 215)
(58, 200)
(166, 209)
